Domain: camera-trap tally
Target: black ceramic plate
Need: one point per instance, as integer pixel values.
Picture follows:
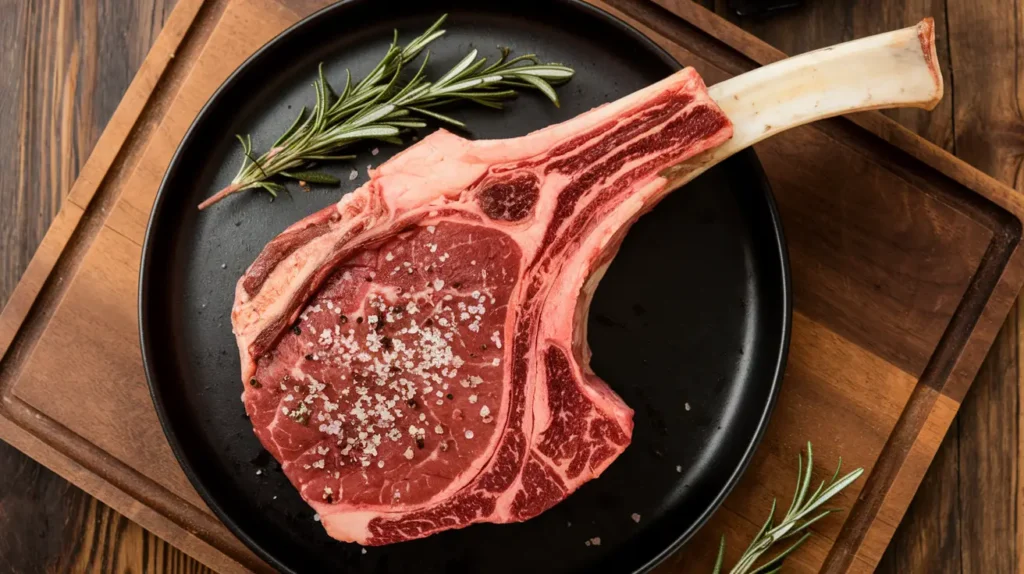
(690, 325)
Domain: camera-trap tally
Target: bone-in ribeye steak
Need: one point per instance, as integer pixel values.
(415, 356)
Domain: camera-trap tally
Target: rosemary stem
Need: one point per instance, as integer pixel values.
(383, 107)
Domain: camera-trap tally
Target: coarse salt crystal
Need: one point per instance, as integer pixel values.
(316, 518)
(389, 257)
(375, 151)
(636, 518)
(438, 284)
(408, 453)
(469, 434)
(472, 399)
(686, 406)
(596, 541)
(439, 429)
(431, 229)
(485, 410)
(353, 174)
(679, 468)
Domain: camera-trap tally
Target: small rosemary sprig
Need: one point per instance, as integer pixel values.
(382, 106)
(803, 512)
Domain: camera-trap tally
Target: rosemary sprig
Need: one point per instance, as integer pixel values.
(803, 512)
(382, 107)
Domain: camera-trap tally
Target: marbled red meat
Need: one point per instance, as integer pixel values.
(415, 356)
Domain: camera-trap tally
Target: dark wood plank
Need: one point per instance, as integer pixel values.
(928, 539)
(64, 76)
(66, 65)
(984, 45)
(105, 541)
(36, 507)
(988, 460)
(20, 234)
(46, 524)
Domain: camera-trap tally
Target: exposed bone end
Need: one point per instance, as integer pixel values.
(926, 35)
(896, 69)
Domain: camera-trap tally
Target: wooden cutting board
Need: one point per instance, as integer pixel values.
(905, 261)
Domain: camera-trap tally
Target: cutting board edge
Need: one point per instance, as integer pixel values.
(121, 500)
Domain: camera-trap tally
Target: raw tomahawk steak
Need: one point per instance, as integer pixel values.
(415, 356)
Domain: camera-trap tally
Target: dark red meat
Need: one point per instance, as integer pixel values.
(415, 356)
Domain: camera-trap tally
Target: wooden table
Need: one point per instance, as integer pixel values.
(65, 64)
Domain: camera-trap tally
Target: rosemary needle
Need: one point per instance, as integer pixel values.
(382, 107)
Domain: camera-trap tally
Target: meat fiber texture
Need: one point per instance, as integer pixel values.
(415, 356)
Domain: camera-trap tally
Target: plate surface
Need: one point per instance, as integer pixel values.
(690, 325)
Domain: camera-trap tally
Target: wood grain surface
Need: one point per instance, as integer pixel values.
(965, 516)
(66, 64)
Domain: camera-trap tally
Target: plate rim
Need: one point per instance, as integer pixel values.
(147, 265)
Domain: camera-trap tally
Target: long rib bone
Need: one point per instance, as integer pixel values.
(891, 70)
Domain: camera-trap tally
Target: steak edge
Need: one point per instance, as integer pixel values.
(415, 355)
